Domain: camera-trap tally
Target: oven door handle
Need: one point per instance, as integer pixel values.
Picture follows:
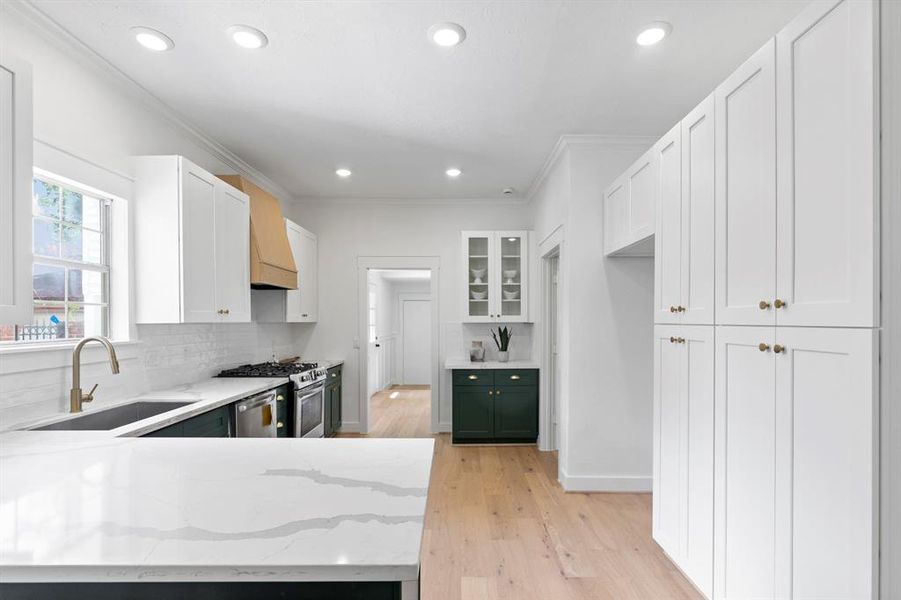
(256, 401)
(312, 392)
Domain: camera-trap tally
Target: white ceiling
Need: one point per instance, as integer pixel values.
(358, 83)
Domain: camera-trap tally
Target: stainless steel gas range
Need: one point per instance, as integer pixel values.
(308, 380)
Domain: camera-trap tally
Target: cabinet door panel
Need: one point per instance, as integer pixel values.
(513, 276)
(668, 468)
(232, 253)
(698, 165)
(308, 278)
(641, 186)
(825, 386)
(616, 216)
(828, 228)
(746, 192)
(516, 412)
(473, 413)
(668, 237)
(478, 277)
(16, 146)
(696, 520)
(745, 477)
(198, 199)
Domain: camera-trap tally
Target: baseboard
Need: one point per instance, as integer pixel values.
(350, 427)
(605, 483)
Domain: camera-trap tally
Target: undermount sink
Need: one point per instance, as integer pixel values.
(111, 418)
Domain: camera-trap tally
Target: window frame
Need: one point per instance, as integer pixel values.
(103, 267)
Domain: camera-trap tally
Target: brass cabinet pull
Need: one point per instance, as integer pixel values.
(280, 398)
(764, 305)
(335, 375)
(672, 339)
(680, 340)
(779, 348)
(778, 303)
(471, 377)
(497, 392)
(514, 377)
(304, 315)
(763, 347)
(490, 392)
(673, 309)
(220, 312)
(681, 308)
(226, 311)
(279, 425)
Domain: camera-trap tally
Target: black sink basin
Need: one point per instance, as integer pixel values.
(113, 417)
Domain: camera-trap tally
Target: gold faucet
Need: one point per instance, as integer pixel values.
(76, 398)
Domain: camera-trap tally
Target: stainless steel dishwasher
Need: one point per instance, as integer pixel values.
(256, 416)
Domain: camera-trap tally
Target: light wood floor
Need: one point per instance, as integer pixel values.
(499, 526)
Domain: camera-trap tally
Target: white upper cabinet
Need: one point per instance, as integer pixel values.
(827, 269)
(629, 206)
(668, 239)
(683, 448)
(16, 148)
(684, 254)
(300, 305)
(496, 276)
(746, 192)
(192, 244)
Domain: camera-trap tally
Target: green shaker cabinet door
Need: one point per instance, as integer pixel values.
(516, 413)
(473, 412)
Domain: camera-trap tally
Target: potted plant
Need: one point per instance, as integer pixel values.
(502, 339)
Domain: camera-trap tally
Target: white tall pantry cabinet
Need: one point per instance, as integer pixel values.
(765, 397)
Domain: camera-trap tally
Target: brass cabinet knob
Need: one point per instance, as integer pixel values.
(219, 311)
(514, 377)
(672, 339)
(335, 375)
(490, 392)
(680, 340)
(779, 303)
(764, 305)
(680, 308)
(673, 309)
(763, 347)
(226, 311)
(497, 392)
(471, 377)
(280, 398)
(778, 349)
(304, 315)
(279, 425)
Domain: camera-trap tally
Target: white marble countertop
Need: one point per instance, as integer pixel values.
(78, 506)
(204, 396)
(465, 363)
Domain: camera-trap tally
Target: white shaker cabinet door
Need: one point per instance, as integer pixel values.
(668, 237)
(826, 462)
(198, 241)
(698, 164)
(746, 192)
(232, 253)
(641, 185)
(669, 470)
(827, 267)
(15, 191)
(616, 216)
(745, 464)
(308, 277)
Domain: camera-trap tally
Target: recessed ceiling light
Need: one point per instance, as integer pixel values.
(247, 36)
(343, 172)
(152, 39)
(653, 33)
(447, 34)
(453, 172)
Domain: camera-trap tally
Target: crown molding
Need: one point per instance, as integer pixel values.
(373, 202)
(573, 139)
(65, 40)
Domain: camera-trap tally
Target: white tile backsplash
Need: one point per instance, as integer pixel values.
(166, 356)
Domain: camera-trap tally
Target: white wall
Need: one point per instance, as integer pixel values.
(606, 325)
(348, 230)
(89, 124)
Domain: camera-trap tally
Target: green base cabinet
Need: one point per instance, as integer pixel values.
(282, 397)
(215, 423)
(495, 406)
(333, 401)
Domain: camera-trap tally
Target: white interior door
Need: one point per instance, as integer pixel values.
(668, 238)
(232, 253)
(827, 237)
(745, 464)
(198, 197)
(417, 342)
(746, 192)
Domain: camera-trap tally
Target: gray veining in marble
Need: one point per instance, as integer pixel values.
(322, 478)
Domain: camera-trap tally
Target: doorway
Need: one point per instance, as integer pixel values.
(399, 362)
(552, 421)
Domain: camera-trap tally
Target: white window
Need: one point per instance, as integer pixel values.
(70, 271)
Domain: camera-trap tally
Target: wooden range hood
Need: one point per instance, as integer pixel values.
(271, 260)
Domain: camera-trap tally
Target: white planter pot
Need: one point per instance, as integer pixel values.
(503, 356)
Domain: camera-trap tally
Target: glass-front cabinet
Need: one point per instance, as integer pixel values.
(496, 276)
